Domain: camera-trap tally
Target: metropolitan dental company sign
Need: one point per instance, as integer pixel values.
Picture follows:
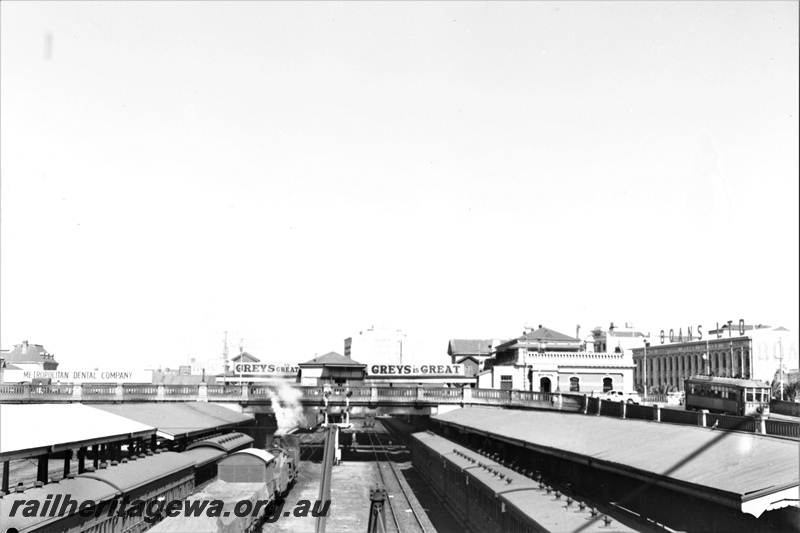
(80, 376)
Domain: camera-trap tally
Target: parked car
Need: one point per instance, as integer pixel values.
(620, 396)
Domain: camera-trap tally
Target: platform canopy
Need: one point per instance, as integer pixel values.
(178, 420)
(30, 430)
(749, 472)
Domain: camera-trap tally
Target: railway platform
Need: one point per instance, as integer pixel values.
(723, 480)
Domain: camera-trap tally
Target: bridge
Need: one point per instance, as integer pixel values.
(386, 400)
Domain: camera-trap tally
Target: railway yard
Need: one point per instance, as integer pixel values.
(375, 454)
(468, 475)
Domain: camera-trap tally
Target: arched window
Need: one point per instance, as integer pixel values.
(574, 385)
(544, 385)
(608, 384)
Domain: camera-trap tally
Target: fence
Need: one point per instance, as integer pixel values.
(785, 408)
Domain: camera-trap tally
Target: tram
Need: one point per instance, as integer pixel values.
(740, 397)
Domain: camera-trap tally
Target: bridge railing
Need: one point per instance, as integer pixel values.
(181, 392)
(223, 392)
(98, 392)
(134, 392)
(375, 396)
(676, 416)
(783, 428)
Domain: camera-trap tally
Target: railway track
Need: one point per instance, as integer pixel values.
(406, 514)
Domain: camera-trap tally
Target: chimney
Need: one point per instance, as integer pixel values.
(611, 327)
(578, 331)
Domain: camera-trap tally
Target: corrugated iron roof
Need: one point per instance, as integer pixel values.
(469, 346)
(67, 426)
(733, 466)
(332, 359)
(177, 419)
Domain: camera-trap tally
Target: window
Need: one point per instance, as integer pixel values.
(574, 385)
(608, 384)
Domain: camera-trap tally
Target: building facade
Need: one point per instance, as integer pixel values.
(544, 360)
(615, 339)
(376, 345)
(748, 352)
(472, 353)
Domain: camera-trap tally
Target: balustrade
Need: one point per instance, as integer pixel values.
(139, 392)
(376, 396)
(223, 392)
(173, 392)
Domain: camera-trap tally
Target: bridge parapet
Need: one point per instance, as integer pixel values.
(372, 397)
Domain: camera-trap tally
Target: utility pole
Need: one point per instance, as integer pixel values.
(780, 344)
(225, 359)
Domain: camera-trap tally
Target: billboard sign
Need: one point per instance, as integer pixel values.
(80, 376)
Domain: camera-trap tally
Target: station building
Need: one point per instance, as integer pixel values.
(332, 369)
(735, 351)
(544, 360)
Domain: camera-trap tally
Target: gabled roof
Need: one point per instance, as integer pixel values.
(546, 334)
(175, 420)
(245, 357)
(332, 359)
(541, 335)
(469, 347)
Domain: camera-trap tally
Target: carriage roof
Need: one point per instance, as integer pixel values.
(714, 380)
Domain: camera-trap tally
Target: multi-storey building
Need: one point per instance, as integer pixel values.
(376, 345)
(548, 361)
(743, 351)
(616, 339)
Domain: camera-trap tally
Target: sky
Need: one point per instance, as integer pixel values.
(292, 173)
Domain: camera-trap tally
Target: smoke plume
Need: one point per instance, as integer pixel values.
(285, 401)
